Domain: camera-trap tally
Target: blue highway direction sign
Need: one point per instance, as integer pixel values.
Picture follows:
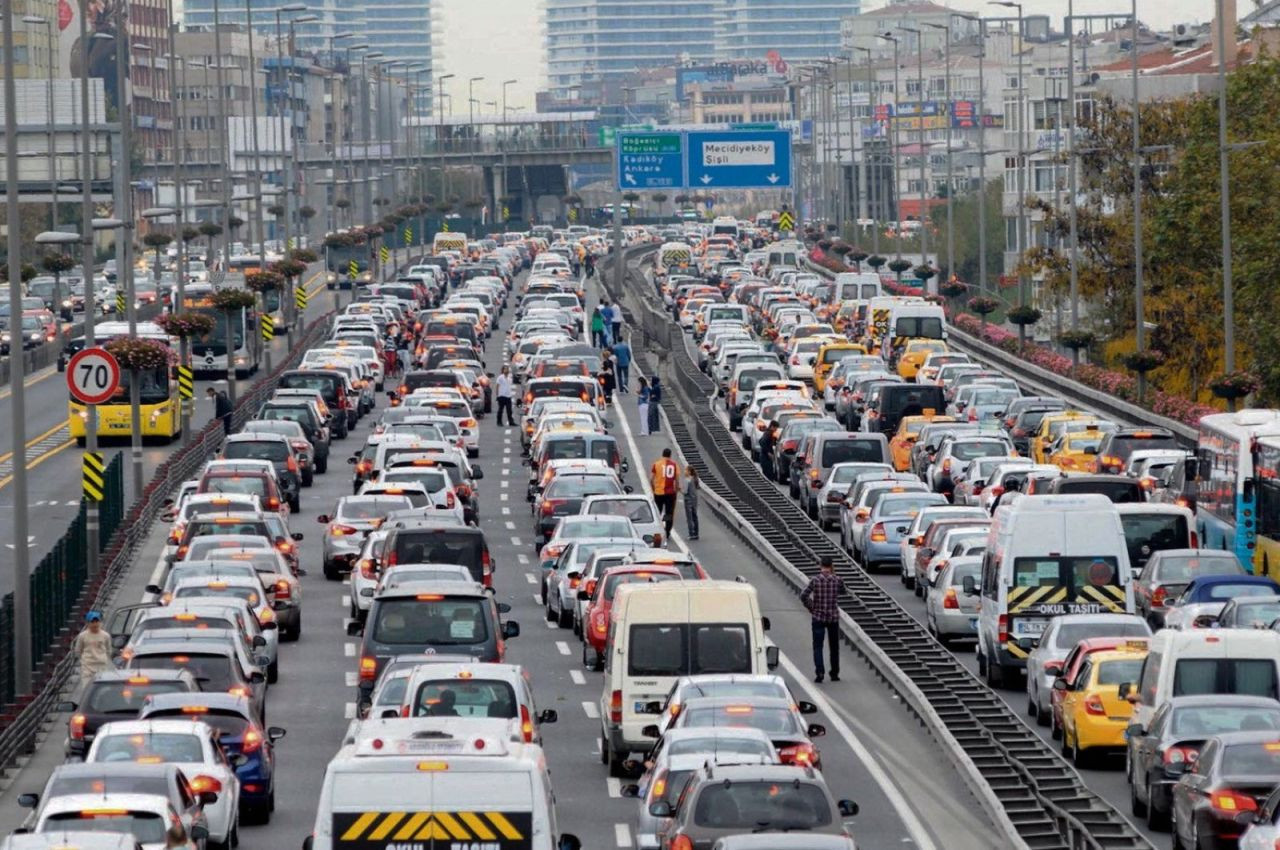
(650, 161)
(739, 159)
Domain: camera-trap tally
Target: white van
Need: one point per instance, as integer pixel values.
(1206, 661)
(917, 320)
(437, 781)
(853, 286)
(660, 632)
(446, 241)
(1047, 556)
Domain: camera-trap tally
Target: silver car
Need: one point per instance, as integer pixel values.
(950, 614)
(1044, 664)
(830, 498)
(353, 517)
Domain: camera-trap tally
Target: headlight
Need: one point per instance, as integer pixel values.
(66, 302)
(36, 335)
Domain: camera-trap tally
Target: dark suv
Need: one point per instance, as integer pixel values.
(275, 449)
(1116, 447)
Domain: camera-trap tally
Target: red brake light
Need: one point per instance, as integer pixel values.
(526, 724)
(878, 533)
(368, 668)
(950, 600)
(1093, 705)
(1002, 628)
(615, 707)
(77, 725)
(1231, 803)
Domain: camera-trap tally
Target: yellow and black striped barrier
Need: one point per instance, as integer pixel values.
(300, 297)
(122, 305)
(408, 235)
(384, 253)
(360, 830)
(268, 329)
(93, 476)
(353, 269)
(186, 382)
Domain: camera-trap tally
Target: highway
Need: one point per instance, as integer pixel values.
(53, 461)
(874, 752)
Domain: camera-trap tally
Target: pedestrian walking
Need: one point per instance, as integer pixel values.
(666, 485)
(92, 647)
(615, 321)
(591, 265)
(221, 407)
(655, 405)
(607, 376)
(822, 598)
(692, 484)
(642, 396)
(597, 328)
(622, 362)
(606, 316)
(506, 393)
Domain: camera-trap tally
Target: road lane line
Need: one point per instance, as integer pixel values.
(349, 711)
(537, 598)
(515, 541)
(350, 678)
(563, 647)
(622, 834)
(615, 786)
(506, 512)
(592, 710)
(531, 578)
(39, 459)
(522, 558)
(578, 677)
(511, 526)
(34, 440)
(878, 774)
(349, 650)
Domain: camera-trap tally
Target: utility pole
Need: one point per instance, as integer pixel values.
(893, 118)
(91, 513)
(179, 204)
(920, 136)
(1224, 190)
(1071, 170)
(951, 189)
(1140, 333)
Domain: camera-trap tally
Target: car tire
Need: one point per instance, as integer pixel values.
(308, 479)
(331, 571)
(1042, 715)
(565, 619)
(1176, 839)
(322, 465)
(1157, 821)
(604, 750)
(1136, 806)
(296, 631)
(588, 661)
(273, 672)
(551, 617)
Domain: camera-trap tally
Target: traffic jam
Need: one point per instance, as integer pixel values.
(1066, 555)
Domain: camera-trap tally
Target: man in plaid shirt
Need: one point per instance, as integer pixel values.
(821, 597)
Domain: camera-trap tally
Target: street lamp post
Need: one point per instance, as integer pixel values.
(53, 171)
(338, 128)
(224, 156)
(471, 127)
(946, 86)
(286, 299)
(871, 191)
(1021, 230)
(1140, 331)
(897, 224)
(351, 142)
(920, 95)
(1224, 191)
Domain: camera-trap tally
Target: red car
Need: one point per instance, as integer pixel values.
(1070, 668)
(600, 592)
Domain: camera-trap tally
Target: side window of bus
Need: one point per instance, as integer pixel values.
(1150, 678)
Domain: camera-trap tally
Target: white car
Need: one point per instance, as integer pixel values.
(142, 818)
(637, 507)
(191, 745)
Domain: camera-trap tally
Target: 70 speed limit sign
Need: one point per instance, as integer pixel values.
(93, 376)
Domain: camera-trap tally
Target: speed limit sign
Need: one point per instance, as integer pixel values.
(93, 376)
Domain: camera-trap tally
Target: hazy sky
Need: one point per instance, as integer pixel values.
(500, 40)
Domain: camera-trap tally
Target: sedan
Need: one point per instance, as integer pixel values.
(353, 517)
(950, 613)
(1234, 774)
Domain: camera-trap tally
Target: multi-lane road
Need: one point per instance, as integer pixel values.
(874, 752)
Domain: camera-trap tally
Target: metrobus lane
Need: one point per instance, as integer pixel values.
(874, 751)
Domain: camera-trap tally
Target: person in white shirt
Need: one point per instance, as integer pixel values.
(506, 392)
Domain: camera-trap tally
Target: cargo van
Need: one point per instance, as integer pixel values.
(851, 286)
(1151, 528)
(1192, 662)
(437, 782)
(917, 320)
(661, 631)
(446, 241)
(1046, 556)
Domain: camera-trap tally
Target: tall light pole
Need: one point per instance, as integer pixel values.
(1224, 191)
(1021, 234)
(979, 118)
(505, 83)
(1071, 172)
(438, 106)
(351, 142)
(337, 125)
(471, 126)
(1140, 331)
(36, 20)
(893, 127)
(286, 308)
(224, 143)
(871, 190)
(920, 95)
(946, 86)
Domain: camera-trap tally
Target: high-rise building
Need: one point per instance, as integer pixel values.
(604, 42)
(781, 30)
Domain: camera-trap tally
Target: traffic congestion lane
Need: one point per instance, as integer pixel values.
(1106, 778)
(53, 461)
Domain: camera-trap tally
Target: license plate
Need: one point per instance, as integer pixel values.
(438, 747)
(1029, 628)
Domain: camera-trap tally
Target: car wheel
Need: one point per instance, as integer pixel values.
(331, 571)
(604, 750)
(1176, 839)
(273, 672)
(1031, 705)
(551, 617)
(1055, 730)
(322, 465)
(296, 631)
(1079, 757)
(1157, 820)
(588, 661)
(615, 765)
(308, 479)
(564, 619)
(1042, 715)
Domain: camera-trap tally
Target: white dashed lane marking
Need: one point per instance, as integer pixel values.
(592, 710)
(531, 578)
(562, 647)
(578, 677)
(622, 835)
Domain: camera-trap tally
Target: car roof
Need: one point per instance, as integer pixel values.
(211, 699)
(1210, 581)
(432, 587)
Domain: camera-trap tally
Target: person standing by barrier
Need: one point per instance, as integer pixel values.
(607, 376)
(642, 396)
(822, 598)
(655, 405)
(692, 484)
(92, 647)
(665, 475)
(622, 361)
(221, 407)
(506, 393)
(597, 328)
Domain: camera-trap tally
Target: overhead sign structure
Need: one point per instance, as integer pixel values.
(93, 376)
(756, 158)
(740, 159)
(650, 160)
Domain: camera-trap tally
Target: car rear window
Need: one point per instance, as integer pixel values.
(211, 672)
(755, 806)
(440, 621)
(236, 484)
(617, 580)
(852, 450)
(272, 450)
(465, 698)
(682, 650)
(440, 546)
(147, 828)
(126, 697)
(1121, 491)
(1249, 676)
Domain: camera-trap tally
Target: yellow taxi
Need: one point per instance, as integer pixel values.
(829, 354)
(1045, 435)
(1077, 451)
(914, 353)
(908, 432)
(1094, 715)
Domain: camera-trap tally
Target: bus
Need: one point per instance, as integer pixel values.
(247, 264)
(161, 408)
(209, 354)
(1227, 480)
(1267, 463)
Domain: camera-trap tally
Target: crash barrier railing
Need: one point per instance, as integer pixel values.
(22, 718)
(1034, 797)
(1041, 381)
(46, 354)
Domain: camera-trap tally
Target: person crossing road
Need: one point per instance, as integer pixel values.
(665, 475)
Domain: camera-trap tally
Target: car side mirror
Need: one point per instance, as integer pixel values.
(257, 678)
(208, 798)
(503, 607)
(630, 791)
(1059, 684)
(355, 629)
(270, 627)
(352, 461)
(275, 733)
(548, 715)
(258, 641)
(1135, 730)
(66, 705)
(848, 808)
(477, 473)
(816, 730)
(628, 489)
(1053, 669)
(806, 707)
(970, 586)
(297, 535)
(29, 800)
(324, 519)
(154, 588)
(771, 656)
(651, 731)
(118, 641)
(1205, 621)
(510, 629)
(199, 832)
(765, 624)
(660, 809)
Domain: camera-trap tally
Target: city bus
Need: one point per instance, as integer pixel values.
(247, 264)
(160, 409)
(1267, 462)
(209, 354)
(1227, 485)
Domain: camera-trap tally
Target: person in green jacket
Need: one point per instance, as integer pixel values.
(597, 328)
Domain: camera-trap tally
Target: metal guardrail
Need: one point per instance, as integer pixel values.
(1042, 798)
(22, 720)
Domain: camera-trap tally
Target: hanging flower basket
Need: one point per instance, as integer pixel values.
(289, 268)
(876, 261)
(233, 299)
(825, 244)
(1235, 385)
(186, 325)
(339, 240)
(1075, 340)
(1024, 314)
(1143, 362)
(898, 266)
(841, 248)
(303, 255)
(139, 355)
(983, 305)
(953, 288)
(264, 281)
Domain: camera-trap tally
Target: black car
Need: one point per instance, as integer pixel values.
(1231, 778)
(118, 695)
(333, 389)
(1117, 446)
(1161, 752)
(305, 414)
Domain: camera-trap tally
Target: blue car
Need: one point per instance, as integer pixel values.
(891, 517)
(1204, 598)
(243, 741)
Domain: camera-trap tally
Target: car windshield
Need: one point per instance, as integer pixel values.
(581, 486)
(372, 508)
(1207, 720)
(432, 621)
(108, 782)
(986, 448)
(1257, 613)
(721, 745)
(223, 527)
(250, 486)
(1119, 671)
(147, 828)
(148, 748)
(906, 505)
(215, 589)
(750, 806)
(636, 510)
(465, 698)
(127, 696)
